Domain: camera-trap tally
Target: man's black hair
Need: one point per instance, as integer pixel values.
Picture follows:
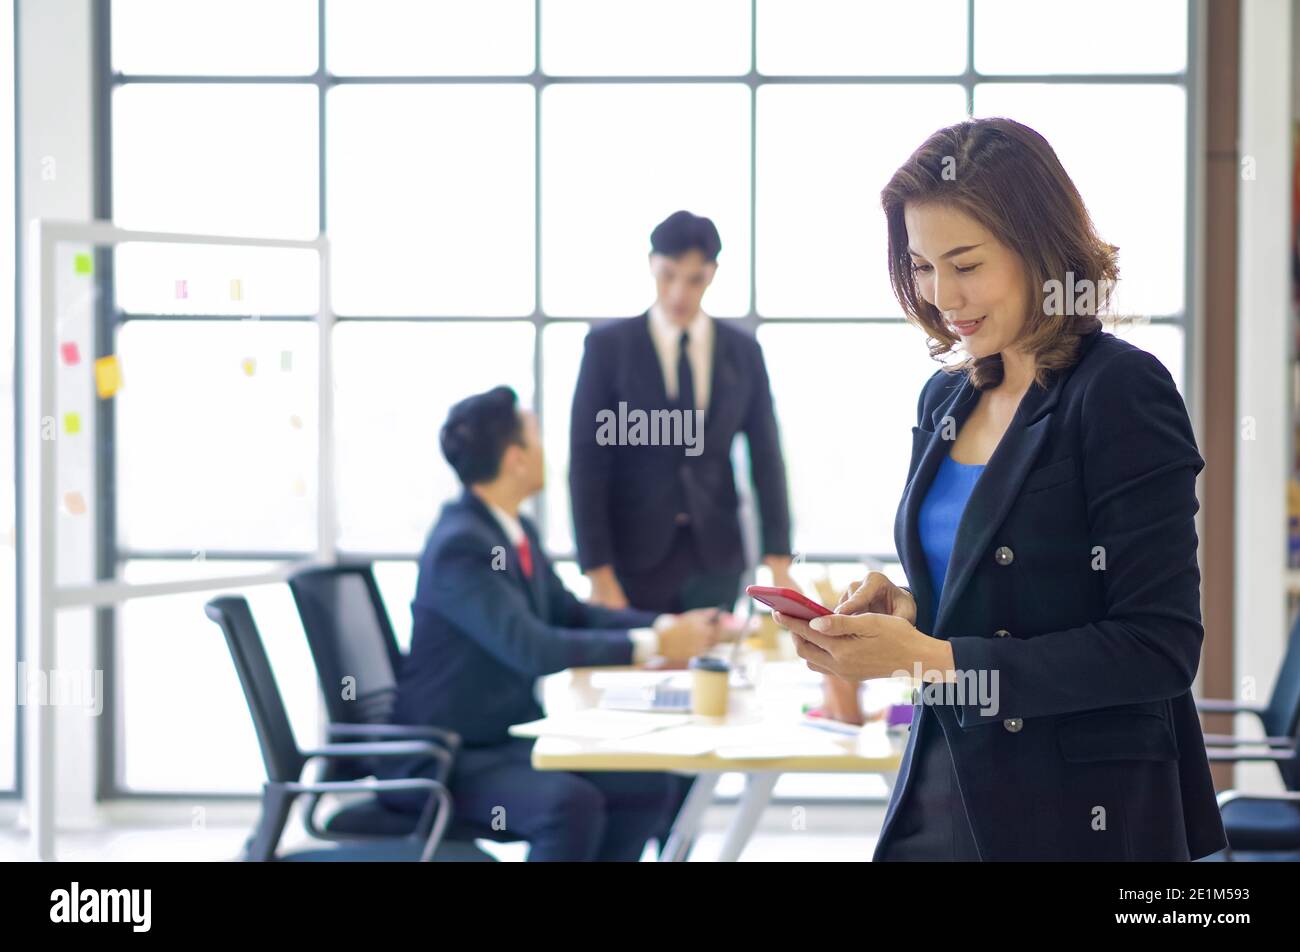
(477, 432)
(681, 232)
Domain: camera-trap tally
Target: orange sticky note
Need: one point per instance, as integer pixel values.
(71, 423)
(74, 503)
(249, 365)
(108, 376)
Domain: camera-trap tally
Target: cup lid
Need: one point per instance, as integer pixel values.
(709, 663)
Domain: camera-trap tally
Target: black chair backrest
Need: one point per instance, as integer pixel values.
(1282, 716)
(350, 636)
(284, 761)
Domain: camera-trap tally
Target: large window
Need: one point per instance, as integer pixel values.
(488, 174)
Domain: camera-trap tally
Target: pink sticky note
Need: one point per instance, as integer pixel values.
(182, 290)
(70, 353)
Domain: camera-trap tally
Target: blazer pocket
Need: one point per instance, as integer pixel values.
(1045, 477)
(1117, 734)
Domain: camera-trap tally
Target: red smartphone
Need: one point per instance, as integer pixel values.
(787, 601)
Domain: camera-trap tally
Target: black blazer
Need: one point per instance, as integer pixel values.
(1074, 579)
(626, 499)
(482, 633)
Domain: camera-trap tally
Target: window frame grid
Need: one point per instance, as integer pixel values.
(110, 556)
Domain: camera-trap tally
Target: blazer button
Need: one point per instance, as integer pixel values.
(1003, 555)
(683, 518)
(1001, 633)
(1013, 724)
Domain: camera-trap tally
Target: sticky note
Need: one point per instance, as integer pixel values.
(236, 289)
(75, 503)
(295, 421)
(71, 423)
(182, 290)
(250, 366)
(71, 355)
(286, 360)
(108, 376)
(299, 487)
(83, 263)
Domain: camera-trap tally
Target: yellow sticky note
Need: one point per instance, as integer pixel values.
(83, 264)
(75, 503)
(299, 487)
(108, 376)
(71, 423)
(249, 365)
(236, 289)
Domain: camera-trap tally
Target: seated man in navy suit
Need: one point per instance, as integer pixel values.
(490, 618)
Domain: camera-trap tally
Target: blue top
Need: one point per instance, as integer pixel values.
(941, 513)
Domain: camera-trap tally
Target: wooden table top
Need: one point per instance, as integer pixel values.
(769, 710)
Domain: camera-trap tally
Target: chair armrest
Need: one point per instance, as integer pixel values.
(1228, 796)
(395, 731)
(1222, 755)
(387, 748)
(383, 749)
(1208, 705)
(1229, 740)
(432, 823)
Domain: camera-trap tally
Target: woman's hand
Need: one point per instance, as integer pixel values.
(877, 594)
(869, 645)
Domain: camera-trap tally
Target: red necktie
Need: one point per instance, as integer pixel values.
(525, 557)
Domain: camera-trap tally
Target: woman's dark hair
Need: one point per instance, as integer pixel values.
(477, 432)
(1005, 176)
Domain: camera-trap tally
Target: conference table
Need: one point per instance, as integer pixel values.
(761, 737)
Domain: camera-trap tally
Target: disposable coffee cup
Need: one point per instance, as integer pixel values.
(709, 682)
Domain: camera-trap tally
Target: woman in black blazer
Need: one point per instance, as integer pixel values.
(1047, 530)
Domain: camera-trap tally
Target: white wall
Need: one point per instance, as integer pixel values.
(1264, 357)
(55, 116)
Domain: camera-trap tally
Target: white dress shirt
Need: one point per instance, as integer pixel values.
(645, 641)
(667, 338)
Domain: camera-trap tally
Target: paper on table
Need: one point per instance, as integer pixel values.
(780, 751)
(687, 741)
(772, 745)
(639, 679)
(598, 724)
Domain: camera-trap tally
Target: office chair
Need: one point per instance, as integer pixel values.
(1280, 717)
(285, 763)
(1260, 827)
(350, 636)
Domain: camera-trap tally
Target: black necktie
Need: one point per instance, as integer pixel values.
(685, 381)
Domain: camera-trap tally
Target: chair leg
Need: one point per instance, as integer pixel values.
(276, 804)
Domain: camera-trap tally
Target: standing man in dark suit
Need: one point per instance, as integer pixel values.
(656, 520)
(655, 510)
(490, 618)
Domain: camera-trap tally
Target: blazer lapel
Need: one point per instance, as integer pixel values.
(647, 369)
(724, 378)
(530, 586)
(957, 407)
(996, 489)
